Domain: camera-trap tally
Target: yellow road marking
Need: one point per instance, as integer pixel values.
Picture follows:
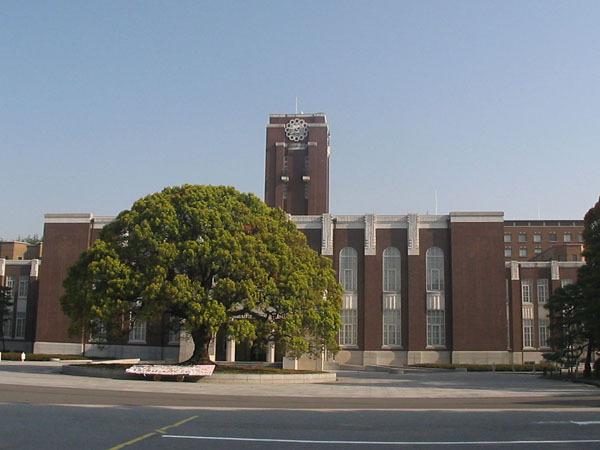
(147, 435)
(176, 424)
(133, 441)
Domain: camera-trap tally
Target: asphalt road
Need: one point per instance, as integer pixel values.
(34, 426)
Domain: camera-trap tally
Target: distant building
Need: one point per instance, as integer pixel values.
(464, 287)
(19, 270)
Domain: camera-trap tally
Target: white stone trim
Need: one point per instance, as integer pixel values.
(370, 234)
(349, 222)
(479, 216)
(327, 235)
(413, 234)
(514, 270)
(18, 262)
(35, 268)
(2, 267)
(101, 221)
(307, 222)
(68, 218)
(554, 270)
(387, 222)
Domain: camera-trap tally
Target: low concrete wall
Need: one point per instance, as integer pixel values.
(429, 357)
(144, 352)
(98, 371)
(488, 357)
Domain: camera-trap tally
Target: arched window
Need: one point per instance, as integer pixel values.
(348, 279)
(434, 263)
(348, 263)
(434, 260)
(391, 297)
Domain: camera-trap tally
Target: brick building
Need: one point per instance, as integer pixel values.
(466, 287)
(19, 269)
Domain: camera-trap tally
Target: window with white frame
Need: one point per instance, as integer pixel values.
(522, 237)
(434, 273)
(137, 334)
(542, 291)
(435, 329)
(565, 282)
(537, 250)
(23, 286)
(527, 333)
(20, 325)
(434, 261)
(580, 237)
(544, 329)
(507, 252)
(7, 325)
(507, 238)
(10, 283)
(526, 291)
(391, 297)
(523, 252)
(552, 237)
(537, 238)
(567, 237)
(348, 278)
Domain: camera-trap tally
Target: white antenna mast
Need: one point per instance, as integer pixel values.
(296, 104)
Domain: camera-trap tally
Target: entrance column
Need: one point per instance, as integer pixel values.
(271, 352)
(230, 350)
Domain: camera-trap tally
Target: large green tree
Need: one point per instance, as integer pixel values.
(210, 257)
(589, 278)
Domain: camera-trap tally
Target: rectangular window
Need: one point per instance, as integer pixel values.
(537, 250)
(580, 237)
(567, 237)
(391, 320)
(542, 291)
(552, 237)
(20, 326)
(537, 237)
(306, 165)
(23, 286)
(507, 252)
(435, 278)
(390, 280)
(137, 335)
(526, 291)
(565, 282)
(507, 238)
(7, 327)
(523, 252)
(285, 161)
(349, 326)
(306, 190)
(10, 283)
(544, 332)
(348, 280)
(435, 329)
(522, 237)
(527, 333)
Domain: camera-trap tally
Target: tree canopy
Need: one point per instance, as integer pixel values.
(210, 257)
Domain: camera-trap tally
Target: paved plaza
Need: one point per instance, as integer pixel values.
(360, 410)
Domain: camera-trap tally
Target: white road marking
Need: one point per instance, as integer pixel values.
(574, 422)
(414, 443)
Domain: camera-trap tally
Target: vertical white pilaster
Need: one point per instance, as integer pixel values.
(326, 235)
(2, 266)
(554, 270)
(514, 270)
(370, 235)
(212, 349)
(35, 268)
(230, 350)
(271, 352)
(290, 363)
(413, 235)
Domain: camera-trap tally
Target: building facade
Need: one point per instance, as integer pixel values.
(465, 287)
(19, 269)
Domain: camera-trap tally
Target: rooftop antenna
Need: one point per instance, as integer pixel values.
(436, 203)
(296, 104)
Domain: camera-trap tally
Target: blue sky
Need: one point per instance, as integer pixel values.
(496, 105)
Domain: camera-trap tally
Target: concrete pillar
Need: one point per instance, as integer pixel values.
(271, 352)
(290, 363)
(230, 350)
(212, 349)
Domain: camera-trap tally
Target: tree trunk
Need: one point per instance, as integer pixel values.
(587, 371)
(201, 338)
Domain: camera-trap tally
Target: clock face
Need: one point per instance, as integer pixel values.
(296, 130)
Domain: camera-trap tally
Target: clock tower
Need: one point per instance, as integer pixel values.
(297, 163)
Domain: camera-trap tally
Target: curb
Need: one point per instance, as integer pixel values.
(217, 378)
